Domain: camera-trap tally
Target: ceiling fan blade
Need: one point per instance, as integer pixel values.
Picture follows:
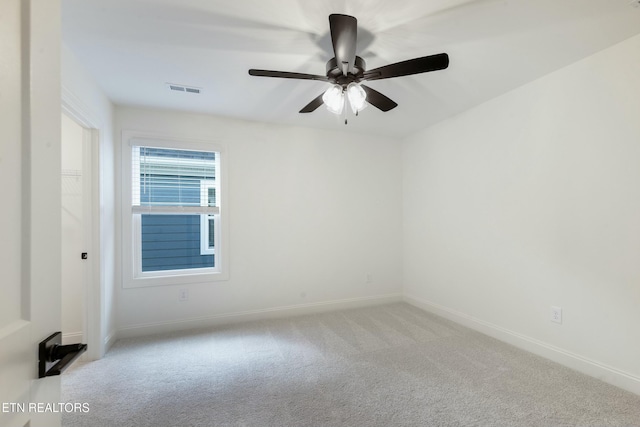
(407, 68)
(344, 32)
(287, 75)
(378, 100)
(313, 105)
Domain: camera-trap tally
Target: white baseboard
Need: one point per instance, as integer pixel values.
(244, 316)
(71, 337)
(109, 341)
(571, 360)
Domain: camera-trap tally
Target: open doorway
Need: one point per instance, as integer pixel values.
(76, 223)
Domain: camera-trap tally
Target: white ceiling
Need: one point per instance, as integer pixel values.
(134, 47)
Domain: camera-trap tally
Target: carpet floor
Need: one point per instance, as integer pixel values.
(391, 365)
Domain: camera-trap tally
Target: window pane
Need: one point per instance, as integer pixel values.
(172, 242)
(211, 233)
(169, 177)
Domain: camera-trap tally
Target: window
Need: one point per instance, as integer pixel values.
(208, 221)
(173, 215)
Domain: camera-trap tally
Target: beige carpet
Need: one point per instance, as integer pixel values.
(391, 365)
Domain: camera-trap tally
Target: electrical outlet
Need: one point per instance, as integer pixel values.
(368, 278)
(556, 314)
(183, 295)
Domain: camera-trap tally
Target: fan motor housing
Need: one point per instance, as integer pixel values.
(335, 75)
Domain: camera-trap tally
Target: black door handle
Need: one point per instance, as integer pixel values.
(54, 357)
(58, 352)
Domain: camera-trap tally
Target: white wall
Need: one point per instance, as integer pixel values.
(73, 241)
(311, 214)
(532, 200)
(84, 96)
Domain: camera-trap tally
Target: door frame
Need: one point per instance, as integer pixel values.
(94, 286)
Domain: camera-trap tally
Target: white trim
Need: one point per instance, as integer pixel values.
(77, 110)
(571, 360)
(88, 228)
(144, 329)
(109, 341)
(72, 337)
(131, 247)
(94, 313)
(150, 139)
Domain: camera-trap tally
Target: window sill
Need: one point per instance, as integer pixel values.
(181, 278)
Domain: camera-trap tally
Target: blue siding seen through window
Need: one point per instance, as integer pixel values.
(172, 242)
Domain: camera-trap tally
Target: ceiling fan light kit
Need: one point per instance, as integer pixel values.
(333, 98)
(357, 97)
(346, 72)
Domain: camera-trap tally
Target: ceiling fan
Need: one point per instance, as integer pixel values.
(346, 71)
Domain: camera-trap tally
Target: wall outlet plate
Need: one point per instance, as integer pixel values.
(556, 314)
(183, 295)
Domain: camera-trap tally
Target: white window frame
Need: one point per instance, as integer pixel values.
(205, 185)
(133, 276)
